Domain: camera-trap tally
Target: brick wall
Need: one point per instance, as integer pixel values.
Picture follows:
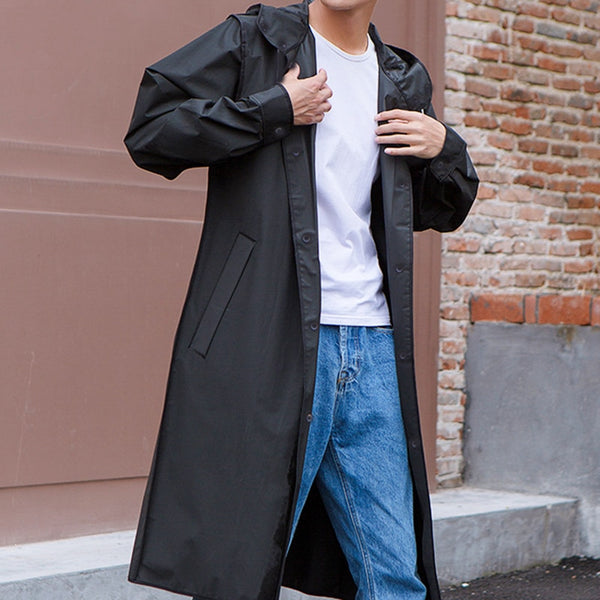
(523, 88)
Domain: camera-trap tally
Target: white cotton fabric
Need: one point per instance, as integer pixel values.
(346, 164)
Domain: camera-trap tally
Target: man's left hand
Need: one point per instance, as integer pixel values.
(410, 133)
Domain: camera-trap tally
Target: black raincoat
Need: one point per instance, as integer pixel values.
(217, 511)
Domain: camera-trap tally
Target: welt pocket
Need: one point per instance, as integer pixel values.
(223, 291)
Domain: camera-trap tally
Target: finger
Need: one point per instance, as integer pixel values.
(293, 72)
(325, 107)
(404, 140)
(397, 113)
(404, 150)
(395, 127)
(325, 94)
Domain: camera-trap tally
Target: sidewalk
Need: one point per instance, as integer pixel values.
(571, 579)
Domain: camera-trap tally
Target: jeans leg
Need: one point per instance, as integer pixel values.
(364, 478)
(328, 362)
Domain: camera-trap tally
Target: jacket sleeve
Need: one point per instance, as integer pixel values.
(444, 188)
(187, 114)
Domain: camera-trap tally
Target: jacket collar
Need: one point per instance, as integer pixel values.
(286, 28)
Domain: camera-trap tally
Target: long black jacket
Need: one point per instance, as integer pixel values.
(218, 505)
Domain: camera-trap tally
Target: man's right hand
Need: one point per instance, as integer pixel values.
(310, 96)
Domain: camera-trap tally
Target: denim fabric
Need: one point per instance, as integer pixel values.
(357, 457)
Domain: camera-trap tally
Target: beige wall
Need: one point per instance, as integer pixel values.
(95, 256)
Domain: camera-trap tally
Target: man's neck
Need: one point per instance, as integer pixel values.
(347, 29)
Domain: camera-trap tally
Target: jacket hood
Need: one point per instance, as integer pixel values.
(285, 28)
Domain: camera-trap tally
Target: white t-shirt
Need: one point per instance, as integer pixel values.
(346, 164)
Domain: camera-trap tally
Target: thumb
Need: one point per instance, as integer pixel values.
(294, 71)
(321, 77)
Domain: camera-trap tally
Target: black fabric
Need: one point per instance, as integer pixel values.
(216, 515)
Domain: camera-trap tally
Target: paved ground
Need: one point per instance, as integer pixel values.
(571, 579)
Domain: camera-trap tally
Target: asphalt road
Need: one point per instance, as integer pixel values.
(572, 579)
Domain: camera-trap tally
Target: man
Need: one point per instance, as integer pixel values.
(324, 156)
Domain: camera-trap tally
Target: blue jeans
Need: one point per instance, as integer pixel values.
(356, 455)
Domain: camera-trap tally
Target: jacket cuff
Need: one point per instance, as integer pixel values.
(450, 157)
(277, 112)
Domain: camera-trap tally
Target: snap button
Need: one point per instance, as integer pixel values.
(399, 269)
(314, 326)
(306, 238)
(309, 417)
(413, 444)
(279, 131)
(296, 153)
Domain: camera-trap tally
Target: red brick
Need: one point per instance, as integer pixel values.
(565, 116)
(563, 185)
(534, 146)
(534, 9)
(530, 112)
(579, 171)
(566, 150)
(531, 180)
(548, 166)
(564, 310)
(523, 24)
(579, 266)
(457, 312)
(591, 152)
(596, 311)
(482, 121)
(497, 107)
(530, 309)
(530, 280)
(461, 244)
(497, 36)
(582, 37)
(554, 131)
(497, 307)
(581, 135)
(592, 187)
(563, 50)
(485, 52)
(565, 16)
(591, 120)
(592, 54)
(550, 233)
(483, 13)
(516, 126)
(531, 213)
(580, 101)
(583, 4)
(517, 94)
(522, 163)
(553, 199)
(485, 192)
(481, 88)
(551, 64)
(499, 71)
(567, 83)
(502, 141)
(580, 234)
(581, 202)
(551, 98)
(592, 87)
(530, 43)
(563, 249)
